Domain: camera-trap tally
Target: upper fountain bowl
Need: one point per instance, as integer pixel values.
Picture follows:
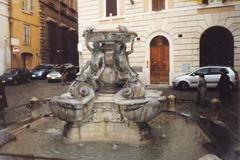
(110, 36)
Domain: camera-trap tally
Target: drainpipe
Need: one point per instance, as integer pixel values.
(10, 31)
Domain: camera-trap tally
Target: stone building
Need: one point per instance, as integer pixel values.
(174, 36)
(5, 55)
(59, 31)
(25, 32)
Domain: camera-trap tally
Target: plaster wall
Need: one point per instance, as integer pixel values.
(188, 19)
(4, 37)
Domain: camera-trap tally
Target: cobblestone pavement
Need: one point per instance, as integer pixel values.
(186, 100)
(22, 93)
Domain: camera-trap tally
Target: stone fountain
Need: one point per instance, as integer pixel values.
(107, 102)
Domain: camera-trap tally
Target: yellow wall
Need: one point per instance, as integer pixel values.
(18, 19)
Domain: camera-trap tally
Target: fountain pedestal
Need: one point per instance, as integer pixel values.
(109, 125)
(108, 102)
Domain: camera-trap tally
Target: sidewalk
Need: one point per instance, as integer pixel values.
(186, 102)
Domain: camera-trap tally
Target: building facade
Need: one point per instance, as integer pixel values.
(25, 33)
(174, 36)
(5, 55)
(59, 31)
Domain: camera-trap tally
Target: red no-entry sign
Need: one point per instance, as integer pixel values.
(15, 50)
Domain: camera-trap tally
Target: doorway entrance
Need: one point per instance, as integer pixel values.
(159, 60)
(26, 59)
(217, 47)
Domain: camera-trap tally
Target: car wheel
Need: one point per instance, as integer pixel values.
(15, 82)
(183, 86)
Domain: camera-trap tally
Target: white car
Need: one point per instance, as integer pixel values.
(54, 76)
(211, 73)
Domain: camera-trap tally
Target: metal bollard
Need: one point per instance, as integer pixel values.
(215, 107)
(171, 103)
(35, 107)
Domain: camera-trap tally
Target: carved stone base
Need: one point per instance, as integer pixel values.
(135, 134)
(71, 133)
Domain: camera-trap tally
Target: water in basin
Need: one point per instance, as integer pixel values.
(174, 138)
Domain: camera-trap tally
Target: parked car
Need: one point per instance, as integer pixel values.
(54, 75)
(15, 76)
(41, 71)
(68, 65)
(212, 75)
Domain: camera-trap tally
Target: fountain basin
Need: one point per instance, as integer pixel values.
(140, 109)
(184, 140)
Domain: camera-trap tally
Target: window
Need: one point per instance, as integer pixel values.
(26, 32)
(111, 8)
(215, 70)
(212, 1)
(201, 71)
(50, 67)
(27, 5)
(158, 5)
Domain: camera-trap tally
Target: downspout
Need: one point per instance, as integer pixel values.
(10, 31)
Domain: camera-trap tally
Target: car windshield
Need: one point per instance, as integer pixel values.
(39, 67)
(11, 71)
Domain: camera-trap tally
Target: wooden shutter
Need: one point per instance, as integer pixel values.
(154, 5)
(111, 7)
(205, 1)
(158, 5)
(31, 5)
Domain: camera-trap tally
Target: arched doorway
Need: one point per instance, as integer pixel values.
(217, 47)
(26, 59)
(159, 60)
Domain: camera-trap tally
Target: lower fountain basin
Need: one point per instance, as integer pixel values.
(69, 110)
(174, 138)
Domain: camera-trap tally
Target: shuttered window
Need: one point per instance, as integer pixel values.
(213, 1)
(27, 5)
(26, 34)
(158, 5)
(111, 8)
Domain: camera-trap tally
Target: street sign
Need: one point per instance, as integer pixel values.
(15, 50)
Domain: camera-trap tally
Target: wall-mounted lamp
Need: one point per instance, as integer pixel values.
(132, 1)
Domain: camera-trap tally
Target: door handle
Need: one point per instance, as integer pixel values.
(147, 64)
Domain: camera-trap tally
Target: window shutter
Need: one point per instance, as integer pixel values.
(205, 1)
(111, 7)
(154, 5)
(23, 3)
(31, 5)
(161, 4)
(158, 5)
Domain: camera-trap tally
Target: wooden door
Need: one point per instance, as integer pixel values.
(159, 63)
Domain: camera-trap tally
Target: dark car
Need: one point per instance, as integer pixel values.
(15, 76)
(41, 71)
